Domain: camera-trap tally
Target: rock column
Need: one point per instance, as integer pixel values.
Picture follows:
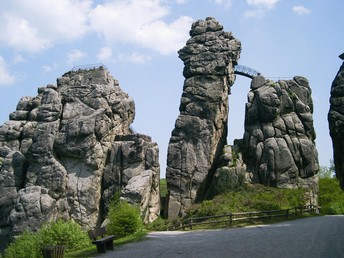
(336, 122)
(201, 128)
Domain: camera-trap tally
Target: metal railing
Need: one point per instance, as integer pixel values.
(89, 67)
(245, 71)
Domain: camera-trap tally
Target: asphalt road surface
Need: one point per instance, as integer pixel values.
(311, 237)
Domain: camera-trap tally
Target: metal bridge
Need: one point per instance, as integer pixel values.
(245, 71)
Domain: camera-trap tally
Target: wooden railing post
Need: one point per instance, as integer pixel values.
(230, 219)
(190, 223)
(287, 213)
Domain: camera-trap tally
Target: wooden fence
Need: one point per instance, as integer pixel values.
(230, 218)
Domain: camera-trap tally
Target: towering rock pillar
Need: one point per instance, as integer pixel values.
(200, 130)
(336, 122)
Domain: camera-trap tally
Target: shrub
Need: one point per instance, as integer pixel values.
(25, 246)
(331, 197)
(29, 245)
(66, 233)
(124, 219)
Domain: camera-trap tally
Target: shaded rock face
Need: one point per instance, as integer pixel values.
(63, 151)
(279, 148)
(133, 168)
(201, 128)
(231, 173)
(336, 122)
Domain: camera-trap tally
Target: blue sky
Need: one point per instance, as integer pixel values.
(138, 40)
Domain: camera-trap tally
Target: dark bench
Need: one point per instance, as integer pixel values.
(99, 238)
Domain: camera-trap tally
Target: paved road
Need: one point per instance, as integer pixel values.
(312, 237)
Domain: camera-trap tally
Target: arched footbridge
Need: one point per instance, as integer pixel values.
(245, 71)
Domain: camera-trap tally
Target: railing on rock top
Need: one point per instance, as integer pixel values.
(89, 67)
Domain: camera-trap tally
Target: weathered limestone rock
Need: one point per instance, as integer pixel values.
(201, 128)
(54, 154)
(336, 122)
(279, 147)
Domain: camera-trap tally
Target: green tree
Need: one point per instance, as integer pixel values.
(124, 219)
(327, 172)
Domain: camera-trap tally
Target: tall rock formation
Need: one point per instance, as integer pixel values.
(279, 141)
(201, 128)
(336, 122)
(66, 151)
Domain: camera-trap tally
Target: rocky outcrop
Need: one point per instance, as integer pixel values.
(279, 140)
(231, 174)
(64, 151)
(336, 122)
(201, 128)
(133, 168)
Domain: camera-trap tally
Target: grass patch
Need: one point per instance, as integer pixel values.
(252, 198)
(92, 250)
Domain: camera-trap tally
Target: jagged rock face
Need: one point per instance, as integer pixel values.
(336, 122)
(279, 147)
(55, 151)
(231, 174)
(201, 128)
(134, 169)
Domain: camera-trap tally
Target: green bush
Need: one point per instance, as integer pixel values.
(124, 219)
(67, 233)
(331, 196)
(25, 246)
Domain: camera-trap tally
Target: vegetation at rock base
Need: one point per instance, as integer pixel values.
(67, 233)
(331, 196)
(252, 198)
(124, 219)
(25, 246)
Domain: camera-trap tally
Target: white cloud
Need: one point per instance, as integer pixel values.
(47, 68)
(75, 55)
(225, 3)
(262, 3)
(140, 22)
(135, 57)
(5, 77)
(17, 58)
(164, 38)
(301, 10)
(105, 53)
(260, 7)
(181, 1)
(34, 26)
